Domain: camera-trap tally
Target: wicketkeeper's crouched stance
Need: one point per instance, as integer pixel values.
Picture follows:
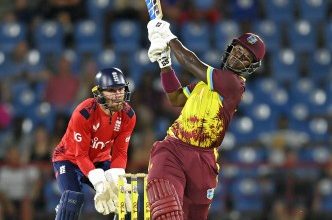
(183, 167)
(94, 148)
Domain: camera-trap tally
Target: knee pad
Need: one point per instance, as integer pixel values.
(70, 205)
(164, 200)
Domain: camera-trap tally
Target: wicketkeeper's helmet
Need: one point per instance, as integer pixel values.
(109, 78)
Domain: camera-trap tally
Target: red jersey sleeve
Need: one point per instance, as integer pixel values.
(82, 136)
(121, 142)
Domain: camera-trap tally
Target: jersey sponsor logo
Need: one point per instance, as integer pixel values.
(62, 169)
(210, 193)
(96, 126)
(98, 144)
(127, 139)
(117, 124)
(77, 136)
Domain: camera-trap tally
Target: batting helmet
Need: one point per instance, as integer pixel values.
(254, 44)
(109, 78)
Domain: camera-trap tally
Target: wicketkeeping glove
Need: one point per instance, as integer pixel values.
(103, 202)
(112, 176)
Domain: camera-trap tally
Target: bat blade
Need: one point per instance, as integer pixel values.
(154, 9)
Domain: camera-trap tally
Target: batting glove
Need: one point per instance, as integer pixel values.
(103, 202)
(112, 176)
(160, 27)
(164, 59)
(158, 45)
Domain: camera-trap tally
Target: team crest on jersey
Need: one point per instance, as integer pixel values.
(210, 193)
(96, 126)
(117, 124)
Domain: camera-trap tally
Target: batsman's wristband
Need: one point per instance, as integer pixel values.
(170, 81)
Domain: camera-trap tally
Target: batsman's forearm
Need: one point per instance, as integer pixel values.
(188, 59)
(184, 56)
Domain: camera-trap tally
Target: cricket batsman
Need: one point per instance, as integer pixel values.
(94, 148)
(183, 167)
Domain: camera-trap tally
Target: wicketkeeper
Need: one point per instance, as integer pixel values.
(94, 148)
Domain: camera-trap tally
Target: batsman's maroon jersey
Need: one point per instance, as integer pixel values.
(93, 136)
(187, 157)
(209, 109)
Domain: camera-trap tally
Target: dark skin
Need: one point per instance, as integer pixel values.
(194, 65)
(191, 63)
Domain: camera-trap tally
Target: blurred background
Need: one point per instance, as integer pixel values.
(276, 157)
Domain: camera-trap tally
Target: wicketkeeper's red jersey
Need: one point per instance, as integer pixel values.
(94, 136)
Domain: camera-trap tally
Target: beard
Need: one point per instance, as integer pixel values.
(115, 106)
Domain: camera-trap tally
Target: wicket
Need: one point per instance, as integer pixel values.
(134, 196)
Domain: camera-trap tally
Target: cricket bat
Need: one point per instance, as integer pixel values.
(154, 9)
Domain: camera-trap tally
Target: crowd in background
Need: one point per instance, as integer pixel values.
(273, 169)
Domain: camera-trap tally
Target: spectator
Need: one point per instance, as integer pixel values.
(5, 116)
(62, 88)
(19, 185)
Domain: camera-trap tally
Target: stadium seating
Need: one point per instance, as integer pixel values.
(49, 37)
(43, 114)
(11, 33)
(4, 65)
(244, 129)
(196, 36)
(319, 65)
(88, 37)
(318, 154)
(318, 130)
(285, 65)
(246, 194)
(106, 59)
(317, 101)
(246, 155)
(97, 10)
(26, 99)
(270, 33)
(280, 11)
(35, 62)
(213, 57)
(139, 64)
(315, 11)
(204, 5)
(125, 36)
(243, 10)
(224, 32)
(325, 196)
(328, 35)
(302, 36)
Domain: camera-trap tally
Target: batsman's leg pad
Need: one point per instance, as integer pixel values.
(164, 200)
(70, 205)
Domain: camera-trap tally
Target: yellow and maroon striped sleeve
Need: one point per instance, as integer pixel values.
(209, 75)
